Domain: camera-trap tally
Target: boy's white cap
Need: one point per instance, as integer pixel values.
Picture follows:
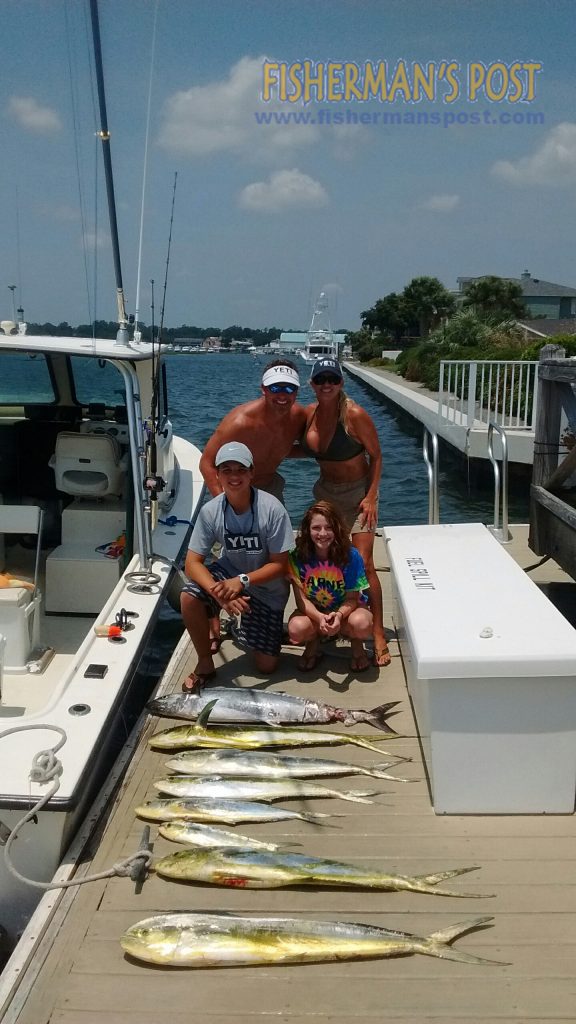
(280, 375)
(234, 451)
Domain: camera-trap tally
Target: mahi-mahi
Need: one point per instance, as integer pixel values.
(261, 869)
(228, 812)
(189, 787)
(227, 940)
(254, 764)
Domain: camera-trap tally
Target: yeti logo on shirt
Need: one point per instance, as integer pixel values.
(242, 542)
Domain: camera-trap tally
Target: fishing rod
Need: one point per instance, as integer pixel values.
(167, 259)
(154, 482)
(104, 136)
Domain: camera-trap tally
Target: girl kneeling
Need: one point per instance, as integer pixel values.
(328, 576)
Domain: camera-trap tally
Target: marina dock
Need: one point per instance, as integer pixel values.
(459, 427)
(79, 974)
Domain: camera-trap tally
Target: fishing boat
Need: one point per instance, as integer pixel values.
(320, 342)
(97, 500)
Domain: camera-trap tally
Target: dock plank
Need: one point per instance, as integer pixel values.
(526, 861)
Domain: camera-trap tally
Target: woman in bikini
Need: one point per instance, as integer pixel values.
(341, 436)
(328, 577)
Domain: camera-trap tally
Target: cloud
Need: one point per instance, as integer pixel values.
(32, 116)
(96, 239)
(553, 163)
(441, 204)
(228, 116)
(283, 190)
(219, 117)
(63, 212)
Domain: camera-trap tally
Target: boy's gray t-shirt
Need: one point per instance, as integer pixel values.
(247, 540)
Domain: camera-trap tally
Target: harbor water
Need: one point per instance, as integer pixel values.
(203, 388)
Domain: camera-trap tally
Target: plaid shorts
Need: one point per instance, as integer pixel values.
(259, 630)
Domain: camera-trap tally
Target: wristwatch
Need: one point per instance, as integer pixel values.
(244, 580)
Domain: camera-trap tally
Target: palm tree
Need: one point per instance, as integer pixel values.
(495, 296)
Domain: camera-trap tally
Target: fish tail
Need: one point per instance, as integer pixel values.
(426, 883)
(378, 771)
(376, 717)
(438, 943)
(317, 818)
(361, 741)
(441, 876)
(357, 796)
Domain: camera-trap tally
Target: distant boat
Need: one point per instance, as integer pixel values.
(320, 339)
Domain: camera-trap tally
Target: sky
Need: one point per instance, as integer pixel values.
(267, 215)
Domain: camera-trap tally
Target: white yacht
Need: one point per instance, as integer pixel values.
(320, 340)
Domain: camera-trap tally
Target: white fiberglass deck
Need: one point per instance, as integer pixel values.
(527, 862)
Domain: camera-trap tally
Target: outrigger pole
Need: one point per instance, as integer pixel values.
(104, 136)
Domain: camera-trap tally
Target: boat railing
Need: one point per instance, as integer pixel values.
(502, 532)
(430, 456)
(475, 392)
(430, 439)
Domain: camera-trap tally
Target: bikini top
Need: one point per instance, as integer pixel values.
(342, 445)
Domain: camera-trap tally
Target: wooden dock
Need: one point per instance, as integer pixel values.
(79, 974)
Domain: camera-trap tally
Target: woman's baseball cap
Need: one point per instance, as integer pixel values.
(280, 375)
(234, 451)
(326, 365)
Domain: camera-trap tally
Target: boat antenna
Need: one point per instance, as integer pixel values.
(137, 331)
(104, 136)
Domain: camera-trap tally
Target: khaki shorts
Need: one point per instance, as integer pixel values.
(346, 497)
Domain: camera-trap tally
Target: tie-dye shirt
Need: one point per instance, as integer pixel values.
(326, 584)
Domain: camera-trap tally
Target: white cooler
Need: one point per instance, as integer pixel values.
(491, 668)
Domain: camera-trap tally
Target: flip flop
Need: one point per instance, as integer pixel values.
(215, 644)
(360, 668)
(384, 654)
(196, 681)
(308, 662)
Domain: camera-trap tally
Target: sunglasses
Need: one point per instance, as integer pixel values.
(326, 378)
(282, 389)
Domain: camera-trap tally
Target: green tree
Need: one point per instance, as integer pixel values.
(427, 303)
(495, 296)
(363, 345)
(389, 316)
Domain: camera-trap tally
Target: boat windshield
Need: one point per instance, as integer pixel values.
(97, 381)
(29, 379)
(25, 378)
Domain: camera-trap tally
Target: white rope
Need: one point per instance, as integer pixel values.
(46, 767)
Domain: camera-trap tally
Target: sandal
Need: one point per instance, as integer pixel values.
(359, 663)
(308, 662)
(215, 644)
(195, 681)
(382, 656)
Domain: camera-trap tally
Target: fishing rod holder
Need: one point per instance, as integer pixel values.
(142, 581)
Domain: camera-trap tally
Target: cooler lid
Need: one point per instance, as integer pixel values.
(470, 610)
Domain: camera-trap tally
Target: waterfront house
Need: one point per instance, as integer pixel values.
(542, 298)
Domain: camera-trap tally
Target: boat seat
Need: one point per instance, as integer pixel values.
(89, 465)
(20, 606)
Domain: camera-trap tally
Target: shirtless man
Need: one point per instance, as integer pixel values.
(269, 426)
